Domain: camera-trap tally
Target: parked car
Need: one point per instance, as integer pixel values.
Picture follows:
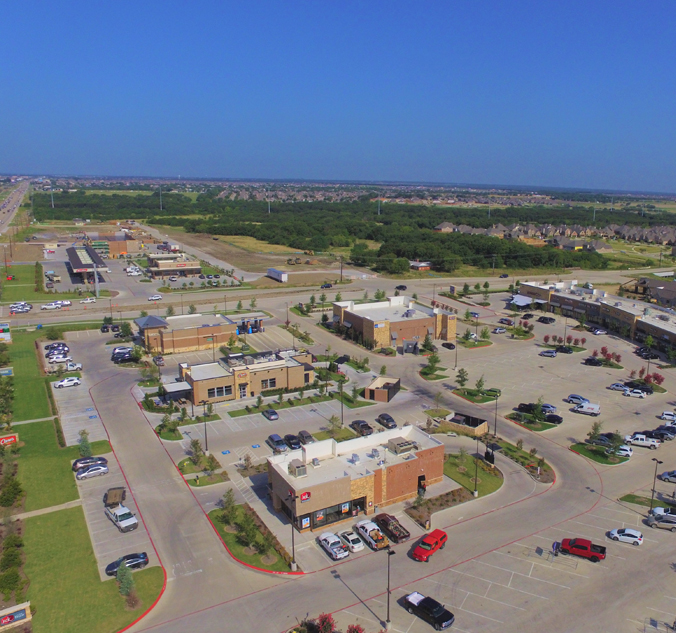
(133, 561)
(104, 329)
(664, 521)
(668, 415)
(59, 358)
(605, 439)
(660, 511)
(276, 443)
(564, 349)
(429, 610)
(372, 535)
(546, 320)
(662, 435)
(634, 384)
(114, 328)
(649, 356)
(583, 548)
(362, 427)
(528, 316)
(549, 353)
(173, 278)
(552, 418)
(333, 546)
(82, 462)
(433, 542)
(475, 315)
(587, 408)
(155, 298)
(669, 476)
(55, 346)
(548, 408)
(599, 331)
(626, 535)
(95, 470)
(526, 408)
(499, 330)
(386, 420)
(637, 439)
(504, 276)
(400, 287)
(622, 451)
(57, 351)
(593, 361)
(448, 345)
(634, 393)
(493, 392)
(89, 300)
(292, 441)
(271, 414)
(305, 437)
(326, 286)
(67, 382)
(159, 361)
(617, 386)
(506, 321)
(123, 358)
(122, 518)
(351, 541)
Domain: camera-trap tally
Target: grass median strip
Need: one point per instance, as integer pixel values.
(277, 406)
(598, 454)
(64, 579)
(461, 469)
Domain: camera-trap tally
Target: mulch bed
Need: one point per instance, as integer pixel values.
(435, 504)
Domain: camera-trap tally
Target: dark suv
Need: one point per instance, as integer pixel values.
(386, 420)
(633, 384)
(564, 349)
(526, 408)
(547, 320)
(593, 361)
(605, 440)
(292, 441)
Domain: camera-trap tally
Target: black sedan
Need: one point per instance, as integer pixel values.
(105, 329)
(292, 441)
(564, 349)
(526, 408)
(546, 320)
(82, 462)
(133, 561)
(527, 316)
(448, 345)
(504, 276)
(593, 361)
(552, 418)
(114, 328)
(633, 384)
(400, 287)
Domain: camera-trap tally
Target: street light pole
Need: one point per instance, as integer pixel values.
(652, 498)
(476, 469)
(181, 304)
(342, 404)
(292, 497)
(495, 428)
(456, 353)
(390, 553)
(206, 436)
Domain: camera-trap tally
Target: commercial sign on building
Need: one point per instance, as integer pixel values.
(5, 334)
(304, 496)
(6, 440)
(15, 616)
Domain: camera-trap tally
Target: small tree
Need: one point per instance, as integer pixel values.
(125, 329)
(466, 289)
(538, 413)
(468, 315)
(437, 399)
(259, 401)
(125, 579)
(427, 343)
(85, 448)
(210, 408)
(143, 314)
(196, 451)
(485, 334)
(519, 444)
(433, 362)
(480, 384)
(365, 296)
(355, 393)
(569, 339)
(322, 298)
(52, 334)
(383, 370)
(334, 425)
(462, 455)
(533, 451)
(192, 309)
(477, 286)
(595, 430)
(339, 297)
(239, 304)
(462, 377)
(252, 303)
(313, 301)
(616, 440)
(211, 465)
(546, 339)
(583, 340)
(649, 342)
(326, 623)
(170, 311)
(246, 530)
(229, 513)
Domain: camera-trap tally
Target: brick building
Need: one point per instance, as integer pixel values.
(391, 322)
(194, 332)
(167, 264)
(245, 376)
(327, 482)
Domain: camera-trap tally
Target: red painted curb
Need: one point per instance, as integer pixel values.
(138, 507)
(192, 492)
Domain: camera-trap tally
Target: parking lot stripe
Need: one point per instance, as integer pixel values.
(491, 582)
(549, 582)
(550, 566)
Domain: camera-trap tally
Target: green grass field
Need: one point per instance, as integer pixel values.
(490, 479)
(22, 288)
(597, 454)
(30, 392)
(41, 454)
(64, 580)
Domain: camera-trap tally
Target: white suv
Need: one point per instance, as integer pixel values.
(67, 382)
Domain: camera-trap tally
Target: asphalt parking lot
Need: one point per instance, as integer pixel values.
(107, 541)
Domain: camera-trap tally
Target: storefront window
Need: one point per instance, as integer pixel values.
(339, 512)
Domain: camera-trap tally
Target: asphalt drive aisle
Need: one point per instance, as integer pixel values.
(199, 570)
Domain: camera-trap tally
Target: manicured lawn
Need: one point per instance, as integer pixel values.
(342, 435)
(432, 377)
(237, 549)
(170, 436)
(437, 413)
(297, 312)
(276, 406)
(64, 580)
(473, 395)
(198, 418)
(527, 460)
(44, 469)
(490, 479)
(527, 420)
(597, 454)
(474, 344)
(30, 395)
(188, 468)
(353, 404)
(215, 478)
(22, 287)
(636, 499)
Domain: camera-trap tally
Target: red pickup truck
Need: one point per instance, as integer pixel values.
(434, 541)
(582, 547)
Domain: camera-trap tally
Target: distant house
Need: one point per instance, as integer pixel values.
(445, 227)
(420, 265)
(598, 246)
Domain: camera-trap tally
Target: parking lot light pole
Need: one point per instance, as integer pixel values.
(390, 553)
(292, 497)
(652, 498)
(204, 417)
(456, 351)
(495, 427)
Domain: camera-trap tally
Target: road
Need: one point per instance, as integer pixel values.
(11, 204)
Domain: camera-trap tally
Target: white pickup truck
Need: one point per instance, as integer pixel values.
(70, 366)
(641, 440)
(122, 517)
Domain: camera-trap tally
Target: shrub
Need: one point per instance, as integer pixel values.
(11, 557)
(9, 581)
(13, 540)
(52, 334)
(11, 491)
(125, 580)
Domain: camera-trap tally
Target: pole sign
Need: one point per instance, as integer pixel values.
(6, 440)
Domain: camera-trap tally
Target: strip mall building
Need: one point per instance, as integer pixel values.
(327, 482)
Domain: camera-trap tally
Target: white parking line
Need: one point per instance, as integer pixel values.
(550, 566)
(549, 582)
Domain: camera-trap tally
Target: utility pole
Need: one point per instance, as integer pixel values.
(51, 191)
(378, 205)
(341, 268)
(268, 207)
(489, 211)
(494, 264)
(160, 197)
(594, 220)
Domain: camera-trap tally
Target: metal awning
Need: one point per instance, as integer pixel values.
(347, 324)
(176, 387)
(540, 300)
(522, 301)
(393, 336)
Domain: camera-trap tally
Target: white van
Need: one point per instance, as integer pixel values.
(588, 409)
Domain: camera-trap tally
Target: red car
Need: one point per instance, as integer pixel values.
(434, 541)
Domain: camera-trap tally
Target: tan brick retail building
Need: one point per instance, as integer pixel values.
(327, 482)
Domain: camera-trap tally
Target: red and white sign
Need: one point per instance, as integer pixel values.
(6, 440)
(304, 496)
(242, 374)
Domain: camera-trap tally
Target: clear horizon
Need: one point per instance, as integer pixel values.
(577, 96)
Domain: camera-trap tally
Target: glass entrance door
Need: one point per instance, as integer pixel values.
(242, 391)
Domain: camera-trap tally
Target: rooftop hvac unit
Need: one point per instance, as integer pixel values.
(618, 304)
(375, 453)
(400, 446)
(662, 317)
(316, 463)
(355, 458)
(297, 468)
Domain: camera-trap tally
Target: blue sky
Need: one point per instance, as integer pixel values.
(572, 94)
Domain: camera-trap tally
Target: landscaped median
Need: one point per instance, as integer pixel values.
(597, 454)
(478, 396)
(286, 404)
(528, 422)
(470, 344)
(537, 467)
(205, 469)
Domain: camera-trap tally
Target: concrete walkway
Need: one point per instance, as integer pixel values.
(35, 513)
(51, 417)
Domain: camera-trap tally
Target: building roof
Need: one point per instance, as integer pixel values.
(395, 309)
(206, 371)
(337, 459)
(84, 259)
(187, 321)
(150, 321)
(176, 387)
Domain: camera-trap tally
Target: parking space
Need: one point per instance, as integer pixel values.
(107, 541)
